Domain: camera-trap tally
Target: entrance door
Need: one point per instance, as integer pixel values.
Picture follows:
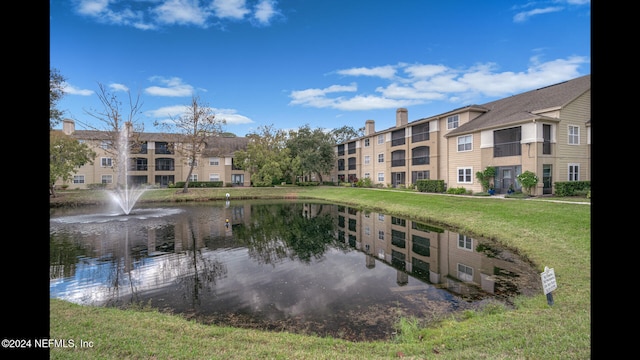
(237, 179)
(507, 180)
(397, 179)
(547, 181)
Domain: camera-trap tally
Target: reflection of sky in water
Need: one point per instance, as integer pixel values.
(289, 287)
(111, 259)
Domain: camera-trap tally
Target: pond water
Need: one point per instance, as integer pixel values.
(319, 269)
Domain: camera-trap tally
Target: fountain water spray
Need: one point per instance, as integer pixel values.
(124, 195)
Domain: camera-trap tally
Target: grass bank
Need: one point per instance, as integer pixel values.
(557, 235)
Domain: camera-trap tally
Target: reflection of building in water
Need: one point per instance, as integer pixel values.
(437, 256)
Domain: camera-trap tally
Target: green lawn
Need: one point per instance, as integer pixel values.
(557, 235)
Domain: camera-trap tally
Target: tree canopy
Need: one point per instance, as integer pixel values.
(56, 92)
(66, 156)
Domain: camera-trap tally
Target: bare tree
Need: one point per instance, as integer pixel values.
(117, 121)
(192, 131)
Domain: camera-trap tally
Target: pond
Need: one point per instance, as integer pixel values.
(317, 269)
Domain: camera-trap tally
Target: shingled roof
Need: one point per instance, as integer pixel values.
(526, 106)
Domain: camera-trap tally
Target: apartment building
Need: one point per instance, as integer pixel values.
(546, 131)
(154, 160)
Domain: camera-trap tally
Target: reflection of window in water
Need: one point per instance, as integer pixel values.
(381, 217)
(421, 245)
(465, 273)
(465, 242)
(398, 221)
(381, 235)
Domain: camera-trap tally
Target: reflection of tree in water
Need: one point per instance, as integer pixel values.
(280, 231)
(200, 272)
(64, 253)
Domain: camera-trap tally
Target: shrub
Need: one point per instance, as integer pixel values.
(528, 180)
(457, 191)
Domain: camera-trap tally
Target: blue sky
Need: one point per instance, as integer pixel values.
(322, 63)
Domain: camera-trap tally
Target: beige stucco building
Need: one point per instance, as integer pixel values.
(546, 131)
(155, 161)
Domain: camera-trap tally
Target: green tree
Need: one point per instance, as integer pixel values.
(56, 92)
(345, 133)
(266, 157)
(314, 149)
(191, 131)
(528, 180)
(66, 156)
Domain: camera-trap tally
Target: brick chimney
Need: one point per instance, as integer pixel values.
(369, 127)
(402, 117)
(68, 126)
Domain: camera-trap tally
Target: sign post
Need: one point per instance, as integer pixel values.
(549, 284)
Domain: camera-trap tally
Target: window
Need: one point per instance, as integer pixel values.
(352, 163)
(193, 177)
(465, 242)
(106, 162)
(163, 148)
(452, 122)
(506, 142)
(397, 158)
(464, 175)
(340, 164)
(351, 147)
(214, 177)
(381, 139)
(195, 163)
(214, 161)
(380, 234)
(380, 158)
(398, 221)
(420, 155)
(397, 137)
(546, 139)
(465, 273)
(366, 142)
(398, 238)
(367, 159)
(138, 164)
(367, 175)
(574, 172)
(381, 177)
(464, 143)
(574, 135)
(421, 245)
(105, 144)
(419, 175)
(341, 150)
(78, 179)
(420, 132)
(380, 217)
(164, 164)
(107, 179)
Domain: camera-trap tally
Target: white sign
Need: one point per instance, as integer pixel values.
(548, 280)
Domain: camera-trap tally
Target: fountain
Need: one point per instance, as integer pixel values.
(124, 195)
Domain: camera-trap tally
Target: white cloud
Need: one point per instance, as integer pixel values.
(264, 11)
(525, 15)
(234, 9)
(174, 87)
(151, 14)
(170, 113)
(118, 87)
(385, 72)
(181, 12)
(72, 90)
(434, 82)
